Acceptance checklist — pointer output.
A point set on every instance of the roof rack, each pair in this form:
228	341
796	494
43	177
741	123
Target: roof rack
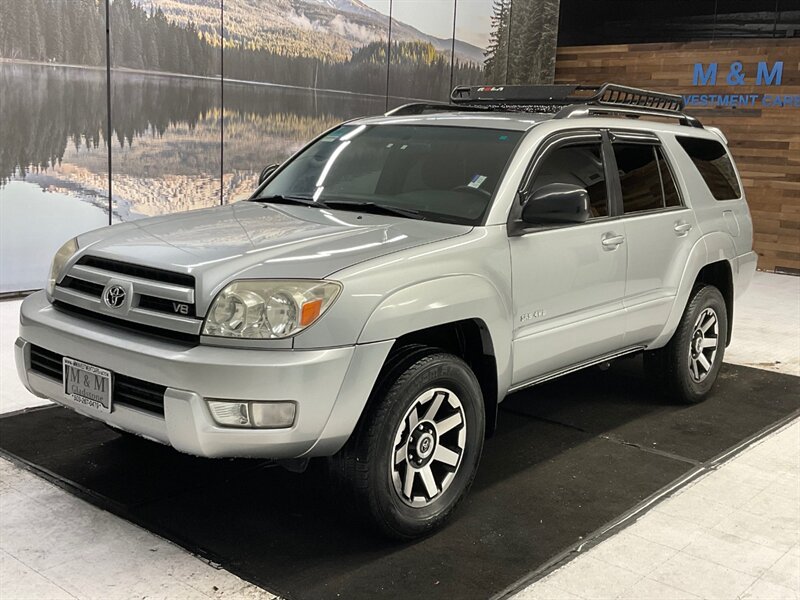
422	108
569	101
565	101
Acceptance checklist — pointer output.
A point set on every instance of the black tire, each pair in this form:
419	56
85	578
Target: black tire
367	463
673	366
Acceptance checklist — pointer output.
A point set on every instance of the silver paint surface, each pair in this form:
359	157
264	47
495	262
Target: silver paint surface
547	301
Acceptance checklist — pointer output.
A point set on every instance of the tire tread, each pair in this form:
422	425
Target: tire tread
352	463
667	366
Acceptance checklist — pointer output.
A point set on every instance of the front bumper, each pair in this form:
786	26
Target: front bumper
330	386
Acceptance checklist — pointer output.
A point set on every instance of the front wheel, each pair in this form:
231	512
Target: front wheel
689	364
416	451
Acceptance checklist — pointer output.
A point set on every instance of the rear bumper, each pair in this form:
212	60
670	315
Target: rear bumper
330	386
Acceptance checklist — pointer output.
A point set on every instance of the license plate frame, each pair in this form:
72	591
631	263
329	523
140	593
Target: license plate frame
88	384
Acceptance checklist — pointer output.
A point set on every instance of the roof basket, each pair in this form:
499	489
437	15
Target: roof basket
621	95
574	100
564	95
564	101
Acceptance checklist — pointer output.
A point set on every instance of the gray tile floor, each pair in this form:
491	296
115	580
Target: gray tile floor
53	545
734	533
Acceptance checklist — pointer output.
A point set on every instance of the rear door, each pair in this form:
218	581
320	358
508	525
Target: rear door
568	280
660	231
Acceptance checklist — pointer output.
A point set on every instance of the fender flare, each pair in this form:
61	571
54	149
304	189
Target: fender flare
446	300
712	247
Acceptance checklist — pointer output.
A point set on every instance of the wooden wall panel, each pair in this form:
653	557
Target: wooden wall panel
764	141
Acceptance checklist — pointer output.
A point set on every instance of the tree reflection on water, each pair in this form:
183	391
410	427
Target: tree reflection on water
167	132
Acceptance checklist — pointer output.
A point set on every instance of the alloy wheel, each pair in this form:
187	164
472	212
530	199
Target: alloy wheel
703	345
428	447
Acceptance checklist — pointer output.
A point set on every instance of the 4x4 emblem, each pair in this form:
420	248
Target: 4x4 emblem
114	296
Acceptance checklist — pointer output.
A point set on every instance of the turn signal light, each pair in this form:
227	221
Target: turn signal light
309	312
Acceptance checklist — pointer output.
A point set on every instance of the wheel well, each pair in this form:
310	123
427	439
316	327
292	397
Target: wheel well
719	275
470	340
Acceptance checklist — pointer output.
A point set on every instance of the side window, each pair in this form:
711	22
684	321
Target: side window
715	166
639	177
671	196
579	164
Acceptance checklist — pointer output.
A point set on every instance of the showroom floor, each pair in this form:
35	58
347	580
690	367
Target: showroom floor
735	532
732	534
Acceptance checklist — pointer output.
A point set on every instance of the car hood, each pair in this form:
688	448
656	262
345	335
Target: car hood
254	240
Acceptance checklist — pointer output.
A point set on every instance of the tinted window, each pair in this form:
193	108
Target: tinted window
714	165
579	164
639	177
445	173
671	196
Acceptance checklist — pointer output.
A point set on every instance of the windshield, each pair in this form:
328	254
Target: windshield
442	173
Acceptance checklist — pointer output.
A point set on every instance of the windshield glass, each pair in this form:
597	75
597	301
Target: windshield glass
443	173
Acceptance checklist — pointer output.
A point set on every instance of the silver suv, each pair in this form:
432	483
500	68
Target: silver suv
387	286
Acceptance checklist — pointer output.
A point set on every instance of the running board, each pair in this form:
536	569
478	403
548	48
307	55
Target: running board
573	368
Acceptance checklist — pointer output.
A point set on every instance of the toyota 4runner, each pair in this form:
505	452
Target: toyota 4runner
387	286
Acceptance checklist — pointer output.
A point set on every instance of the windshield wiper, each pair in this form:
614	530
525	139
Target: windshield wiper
278	199
372	207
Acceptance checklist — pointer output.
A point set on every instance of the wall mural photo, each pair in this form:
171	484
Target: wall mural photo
166	110
291	71
204	94
53	132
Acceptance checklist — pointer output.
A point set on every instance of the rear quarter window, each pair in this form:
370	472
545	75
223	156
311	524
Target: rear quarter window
714	165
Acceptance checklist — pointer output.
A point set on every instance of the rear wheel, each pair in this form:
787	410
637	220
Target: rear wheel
689	364
416	451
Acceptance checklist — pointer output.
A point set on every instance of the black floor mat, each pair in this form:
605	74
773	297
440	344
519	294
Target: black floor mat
568	457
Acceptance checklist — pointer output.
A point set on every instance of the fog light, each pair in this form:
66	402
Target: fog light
230	414
272	414
264	415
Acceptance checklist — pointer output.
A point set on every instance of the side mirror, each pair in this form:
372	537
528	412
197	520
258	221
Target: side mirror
266	172
557	203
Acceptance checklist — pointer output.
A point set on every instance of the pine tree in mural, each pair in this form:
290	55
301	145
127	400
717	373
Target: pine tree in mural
46	31
533	40
497	52
522	46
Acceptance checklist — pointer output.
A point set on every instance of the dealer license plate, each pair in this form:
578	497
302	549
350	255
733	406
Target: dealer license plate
87	384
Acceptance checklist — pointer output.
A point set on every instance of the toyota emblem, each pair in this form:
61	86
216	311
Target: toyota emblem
114	296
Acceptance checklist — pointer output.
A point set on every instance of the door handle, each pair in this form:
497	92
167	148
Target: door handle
612	241
682	228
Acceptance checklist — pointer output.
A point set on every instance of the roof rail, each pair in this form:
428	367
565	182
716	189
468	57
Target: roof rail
569	101
421	108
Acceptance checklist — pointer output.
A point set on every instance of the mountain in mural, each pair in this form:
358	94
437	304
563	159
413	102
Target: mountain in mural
320	28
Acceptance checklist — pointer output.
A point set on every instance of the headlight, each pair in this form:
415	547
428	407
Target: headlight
268	309
61	258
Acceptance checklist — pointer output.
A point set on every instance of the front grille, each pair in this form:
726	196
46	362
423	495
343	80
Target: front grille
127	391
163	305
47	363
139	394
156	302
85	287
137	270
165	334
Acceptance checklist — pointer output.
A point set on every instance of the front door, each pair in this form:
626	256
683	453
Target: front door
568	280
